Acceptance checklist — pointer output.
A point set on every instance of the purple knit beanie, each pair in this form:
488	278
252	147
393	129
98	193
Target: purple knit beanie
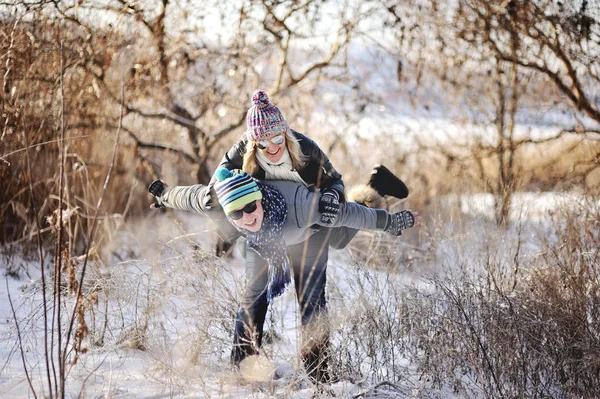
264	119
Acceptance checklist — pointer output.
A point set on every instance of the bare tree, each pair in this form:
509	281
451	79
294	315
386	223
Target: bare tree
535	39
190	72
196	80
501	64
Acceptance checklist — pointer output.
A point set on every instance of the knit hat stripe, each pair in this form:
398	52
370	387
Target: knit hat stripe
235	189
233	183
235	194
240	202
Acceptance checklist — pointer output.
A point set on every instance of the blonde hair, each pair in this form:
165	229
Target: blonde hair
297	157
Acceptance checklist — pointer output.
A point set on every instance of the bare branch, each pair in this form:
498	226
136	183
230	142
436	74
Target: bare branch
189	123
337	46
215	136
574	91
19	337
139	143
78	296
41	255
58	256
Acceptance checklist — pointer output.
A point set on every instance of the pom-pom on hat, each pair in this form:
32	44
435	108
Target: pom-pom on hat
235	189
264	119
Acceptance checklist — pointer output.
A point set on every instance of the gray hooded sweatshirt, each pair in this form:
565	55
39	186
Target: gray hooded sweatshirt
302	209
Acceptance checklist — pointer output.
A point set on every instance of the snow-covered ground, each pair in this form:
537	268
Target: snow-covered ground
525	206
163	324
169	323
182	353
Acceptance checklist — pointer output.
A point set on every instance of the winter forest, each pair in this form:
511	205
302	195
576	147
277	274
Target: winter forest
488	111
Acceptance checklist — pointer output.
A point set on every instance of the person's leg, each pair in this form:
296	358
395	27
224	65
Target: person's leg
309	264
250	318
365	195
341	236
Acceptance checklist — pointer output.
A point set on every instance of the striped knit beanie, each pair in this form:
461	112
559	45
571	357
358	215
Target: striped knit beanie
235	189
264	119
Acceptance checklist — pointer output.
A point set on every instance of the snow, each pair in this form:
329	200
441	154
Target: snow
184	351
524	205
169	307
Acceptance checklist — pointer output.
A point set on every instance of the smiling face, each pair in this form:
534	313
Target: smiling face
273	152
251	221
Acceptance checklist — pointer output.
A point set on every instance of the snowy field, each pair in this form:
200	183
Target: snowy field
162	326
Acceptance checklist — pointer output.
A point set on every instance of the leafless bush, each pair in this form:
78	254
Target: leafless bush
369	328
526	328
499	317
191	301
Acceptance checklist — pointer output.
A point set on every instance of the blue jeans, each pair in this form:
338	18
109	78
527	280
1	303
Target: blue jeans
309	267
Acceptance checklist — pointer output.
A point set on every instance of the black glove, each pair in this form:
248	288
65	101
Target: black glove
399	221
157	189
329	206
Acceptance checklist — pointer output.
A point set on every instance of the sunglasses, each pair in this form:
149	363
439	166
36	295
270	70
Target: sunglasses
237	215
277	140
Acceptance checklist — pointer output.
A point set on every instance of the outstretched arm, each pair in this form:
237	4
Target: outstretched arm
358	216
303	210
186	198
192	198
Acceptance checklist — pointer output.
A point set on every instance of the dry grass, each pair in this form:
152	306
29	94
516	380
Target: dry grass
496	316
512	313
501	316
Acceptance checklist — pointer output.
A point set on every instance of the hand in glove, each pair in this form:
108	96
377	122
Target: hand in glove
399	221
157	189
329	206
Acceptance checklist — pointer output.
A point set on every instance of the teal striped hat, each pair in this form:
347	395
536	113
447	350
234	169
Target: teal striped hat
235	189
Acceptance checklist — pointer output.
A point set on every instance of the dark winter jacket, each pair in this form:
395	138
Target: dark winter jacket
317	171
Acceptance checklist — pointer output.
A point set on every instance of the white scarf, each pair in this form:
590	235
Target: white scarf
281	170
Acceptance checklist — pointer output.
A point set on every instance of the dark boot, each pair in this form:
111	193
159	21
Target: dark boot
315	364
315	350
245	343
248	333
386	183
315	357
